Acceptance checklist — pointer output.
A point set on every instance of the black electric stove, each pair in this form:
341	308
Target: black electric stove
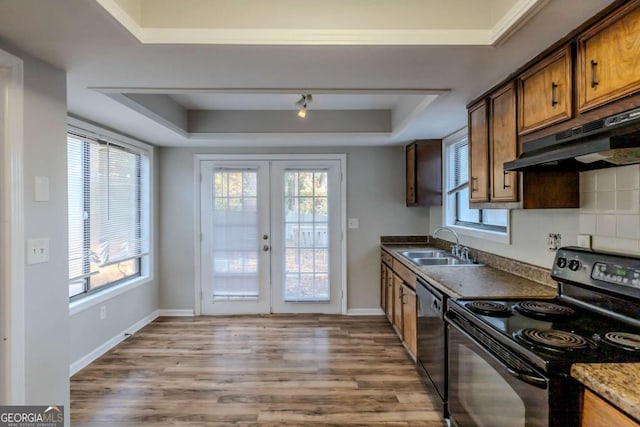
518	347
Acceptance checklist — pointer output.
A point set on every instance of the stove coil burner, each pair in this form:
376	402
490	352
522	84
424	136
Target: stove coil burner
552	339
489	308
544	310
623	340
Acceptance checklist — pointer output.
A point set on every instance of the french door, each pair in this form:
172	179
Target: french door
270	236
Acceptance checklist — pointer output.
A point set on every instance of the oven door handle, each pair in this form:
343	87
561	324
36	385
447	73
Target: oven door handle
528	378
536	381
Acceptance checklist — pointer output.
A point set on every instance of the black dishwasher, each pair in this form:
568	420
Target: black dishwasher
432	340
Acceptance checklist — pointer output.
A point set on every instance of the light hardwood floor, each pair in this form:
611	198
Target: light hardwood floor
304	370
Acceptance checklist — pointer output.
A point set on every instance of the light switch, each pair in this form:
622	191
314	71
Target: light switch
41	189
353	223
37	251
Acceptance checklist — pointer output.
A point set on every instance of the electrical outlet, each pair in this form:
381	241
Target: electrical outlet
554	241
37	250
584	241
103	312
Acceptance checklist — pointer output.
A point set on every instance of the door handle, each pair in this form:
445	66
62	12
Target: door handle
554	94
504	180
265	248
594	81
265	237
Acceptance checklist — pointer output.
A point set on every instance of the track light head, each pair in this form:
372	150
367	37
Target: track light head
304	100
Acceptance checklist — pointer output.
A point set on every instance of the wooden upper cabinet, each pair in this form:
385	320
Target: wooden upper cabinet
609	58
410	172
424	173
503	144
544	92
479	153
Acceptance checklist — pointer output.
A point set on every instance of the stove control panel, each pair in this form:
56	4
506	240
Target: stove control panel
614	273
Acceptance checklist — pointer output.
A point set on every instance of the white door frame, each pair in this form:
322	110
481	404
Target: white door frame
12	324
198	158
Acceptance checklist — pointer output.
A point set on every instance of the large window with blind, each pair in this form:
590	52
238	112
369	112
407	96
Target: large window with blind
458	212
108	212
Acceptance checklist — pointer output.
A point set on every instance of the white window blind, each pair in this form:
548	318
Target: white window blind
458	193
458	167
105	213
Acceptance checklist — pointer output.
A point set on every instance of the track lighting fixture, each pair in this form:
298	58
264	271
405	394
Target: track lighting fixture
303	103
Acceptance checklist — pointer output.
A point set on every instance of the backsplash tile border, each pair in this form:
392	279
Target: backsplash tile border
610	208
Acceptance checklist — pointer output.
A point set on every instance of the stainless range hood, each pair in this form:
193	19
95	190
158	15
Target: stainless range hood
608	142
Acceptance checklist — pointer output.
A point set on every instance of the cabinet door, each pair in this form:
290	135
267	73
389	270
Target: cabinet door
409	320
390	292
503	143
609	58
478	153
598	413
398	291
545	92
383	287
410	169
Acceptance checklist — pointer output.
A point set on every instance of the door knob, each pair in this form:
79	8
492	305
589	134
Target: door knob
265	248
265	237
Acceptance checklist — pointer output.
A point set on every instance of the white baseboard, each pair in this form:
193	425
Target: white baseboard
175	313
87	359
365	312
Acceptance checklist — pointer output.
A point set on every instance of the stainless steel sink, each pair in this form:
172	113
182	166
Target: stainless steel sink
444	260
431	253
435	257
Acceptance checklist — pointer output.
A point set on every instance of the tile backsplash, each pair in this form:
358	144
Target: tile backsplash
610	208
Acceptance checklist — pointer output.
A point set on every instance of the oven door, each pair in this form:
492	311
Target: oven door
486	391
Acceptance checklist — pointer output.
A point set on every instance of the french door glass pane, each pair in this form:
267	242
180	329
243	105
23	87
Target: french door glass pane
306	228
235	234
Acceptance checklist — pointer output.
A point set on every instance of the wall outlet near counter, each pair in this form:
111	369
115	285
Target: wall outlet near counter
584	241
554	241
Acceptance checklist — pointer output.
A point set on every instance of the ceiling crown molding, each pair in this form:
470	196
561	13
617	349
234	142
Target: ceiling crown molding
515	17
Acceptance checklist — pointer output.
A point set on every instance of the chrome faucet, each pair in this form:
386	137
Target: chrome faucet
455	249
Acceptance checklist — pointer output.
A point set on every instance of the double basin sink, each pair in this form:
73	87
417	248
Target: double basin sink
435	257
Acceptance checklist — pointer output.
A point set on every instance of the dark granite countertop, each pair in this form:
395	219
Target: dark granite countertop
619	383
473	280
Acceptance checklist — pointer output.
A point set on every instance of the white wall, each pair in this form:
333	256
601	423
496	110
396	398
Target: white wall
614	223
90	335
46	312
375	195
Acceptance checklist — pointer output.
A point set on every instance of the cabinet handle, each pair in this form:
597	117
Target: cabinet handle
594	81
554	94
504	180
473	187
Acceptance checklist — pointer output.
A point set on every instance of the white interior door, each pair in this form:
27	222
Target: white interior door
271	236
235	259
306	237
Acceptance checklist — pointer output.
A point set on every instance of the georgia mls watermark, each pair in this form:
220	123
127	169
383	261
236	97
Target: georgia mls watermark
32	416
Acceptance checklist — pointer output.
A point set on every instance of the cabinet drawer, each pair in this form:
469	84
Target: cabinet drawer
403	272
387	259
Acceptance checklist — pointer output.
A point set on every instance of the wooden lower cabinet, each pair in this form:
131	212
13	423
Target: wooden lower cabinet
389	298
398	292
597	412
409	320
399	301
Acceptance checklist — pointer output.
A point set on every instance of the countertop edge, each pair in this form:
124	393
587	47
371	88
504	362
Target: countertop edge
616	383
544	291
